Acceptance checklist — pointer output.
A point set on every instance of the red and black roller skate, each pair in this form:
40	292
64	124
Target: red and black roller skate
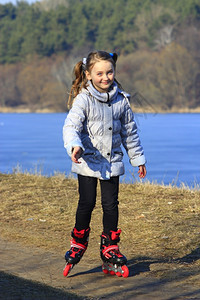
79	245
113	261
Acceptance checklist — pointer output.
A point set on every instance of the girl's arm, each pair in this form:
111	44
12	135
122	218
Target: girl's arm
131	140
73	127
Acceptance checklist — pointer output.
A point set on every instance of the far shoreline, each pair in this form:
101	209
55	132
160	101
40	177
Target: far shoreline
174	110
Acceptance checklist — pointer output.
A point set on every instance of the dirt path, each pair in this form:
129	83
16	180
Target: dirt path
32	273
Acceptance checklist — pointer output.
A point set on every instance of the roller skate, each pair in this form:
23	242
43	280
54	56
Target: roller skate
79	245
114	262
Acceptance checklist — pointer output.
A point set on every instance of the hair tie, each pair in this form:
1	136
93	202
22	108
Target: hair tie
113	56
84	61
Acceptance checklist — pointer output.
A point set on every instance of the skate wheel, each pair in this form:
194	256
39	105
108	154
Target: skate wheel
67	269
105	271
118	274
112	273
125	271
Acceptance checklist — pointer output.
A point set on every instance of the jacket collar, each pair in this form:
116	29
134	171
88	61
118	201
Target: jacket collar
103	97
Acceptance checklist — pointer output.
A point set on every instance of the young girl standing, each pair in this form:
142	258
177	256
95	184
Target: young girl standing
99	121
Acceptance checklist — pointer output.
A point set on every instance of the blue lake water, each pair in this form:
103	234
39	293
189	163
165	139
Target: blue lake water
171	143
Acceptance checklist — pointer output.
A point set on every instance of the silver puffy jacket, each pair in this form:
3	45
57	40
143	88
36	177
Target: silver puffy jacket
99	123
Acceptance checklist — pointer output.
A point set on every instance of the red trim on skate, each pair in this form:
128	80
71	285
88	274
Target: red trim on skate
115	234
109	248
80	234
77	245
73	254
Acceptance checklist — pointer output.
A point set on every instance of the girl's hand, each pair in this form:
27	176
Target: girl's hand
142	171
76	154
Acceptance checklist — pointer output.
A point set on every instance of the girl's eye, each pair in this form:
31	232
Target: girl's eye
99	74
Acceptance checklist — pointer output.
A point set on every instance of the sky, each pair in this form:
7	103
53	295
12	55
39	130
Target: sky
14	1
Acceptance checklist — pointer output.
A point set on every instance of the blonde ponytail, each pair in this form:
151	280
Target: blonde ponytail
78	83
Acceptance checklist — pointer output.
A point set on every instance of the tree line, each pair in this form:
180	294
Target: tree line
120	25
168	79
157	41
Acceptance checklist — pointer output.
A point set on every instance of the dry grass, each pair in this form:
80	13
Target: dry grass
159	224
162	221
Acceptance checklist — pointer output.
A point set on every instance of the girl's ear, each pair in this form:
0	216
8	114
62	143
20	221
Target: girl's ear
88	76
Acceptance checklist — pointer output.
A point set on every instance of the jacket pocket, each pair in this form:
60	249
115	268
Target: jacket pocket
117	156
119	153
87	154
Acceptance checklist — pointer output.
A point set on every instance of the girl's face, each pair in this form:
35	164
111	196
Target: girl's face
102	75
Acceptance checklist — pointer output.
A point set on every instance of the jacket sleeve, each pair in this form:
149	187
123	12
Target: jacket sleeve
130	137
73	125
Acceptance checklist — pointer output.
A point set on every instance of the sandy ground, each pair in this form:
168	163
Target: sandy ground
32	273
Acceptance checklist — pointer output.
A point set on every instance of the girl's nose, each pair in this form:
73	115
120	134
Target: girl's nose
105	77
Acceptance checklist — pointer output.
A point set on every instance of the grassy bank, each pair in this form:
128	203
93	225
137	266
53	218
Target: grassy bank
159	224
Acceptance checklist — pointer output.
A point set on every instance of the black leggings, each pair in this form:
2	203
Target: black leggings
87	201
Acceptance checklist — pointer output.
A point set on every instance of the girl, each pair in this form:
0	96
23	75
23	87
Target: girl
100	120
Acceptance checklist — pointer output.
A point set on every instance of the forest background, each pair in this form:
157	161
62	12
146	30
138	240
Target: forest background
157	41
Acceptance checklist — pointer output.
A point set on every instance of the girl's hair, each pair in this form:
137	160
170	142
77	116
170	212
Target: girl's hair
87	64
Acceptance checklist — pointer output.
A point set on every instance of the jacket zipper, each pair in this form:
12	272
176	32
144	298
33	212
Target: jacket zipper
108	97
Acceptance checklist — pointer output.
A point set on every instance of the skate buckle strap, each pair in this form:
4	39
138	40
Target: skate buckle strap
77	245
80	234
109	248
115	234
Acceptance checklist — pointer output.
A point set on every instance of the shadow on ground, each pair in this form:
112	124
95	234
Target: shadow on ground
150	278
191	257
13	287
142	264
162	279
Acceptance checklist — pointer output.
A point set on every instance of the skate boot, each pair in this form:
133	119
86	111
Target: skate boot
79	245
113	261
